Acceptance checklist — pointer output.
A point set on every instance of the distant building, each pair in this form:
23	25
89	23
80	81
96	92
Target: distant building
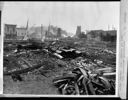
59	33
47	33
101	35
94	35
21	32
52	34
78	31
10	32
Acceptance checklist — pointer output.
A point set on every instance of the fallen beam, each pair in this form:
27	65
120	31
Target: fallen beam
107	75
24	70
110	75
106	70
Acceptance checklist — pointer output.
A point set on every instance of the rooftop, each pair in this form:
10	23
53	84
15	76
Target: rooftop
10	25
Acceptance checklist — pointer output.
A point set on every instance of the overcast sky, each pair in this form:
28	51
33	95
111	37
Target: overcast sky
67	15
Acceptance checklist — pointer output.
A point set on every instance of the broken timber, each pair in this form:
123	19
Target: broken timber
24	70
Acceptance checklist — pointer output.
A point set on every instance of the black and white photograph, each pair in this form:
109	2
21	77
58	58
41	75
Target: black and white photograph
60	48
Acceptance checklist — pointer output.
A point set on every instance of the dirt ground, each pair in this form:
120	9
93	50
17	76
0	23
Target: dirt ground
32	84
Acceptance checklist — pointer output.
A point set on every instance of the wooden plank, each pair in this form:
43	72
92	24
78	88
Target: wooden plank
24	70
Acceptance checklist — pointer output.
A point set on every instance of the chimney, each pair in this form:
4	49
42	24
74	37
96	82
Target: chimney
78	30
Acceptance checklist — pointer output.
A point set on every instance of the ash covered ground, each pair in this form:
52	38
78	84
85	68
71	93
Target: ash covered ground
39	63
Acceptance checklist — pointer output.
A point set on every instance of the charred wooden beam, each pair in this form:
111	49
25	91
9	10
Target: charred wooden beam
24	70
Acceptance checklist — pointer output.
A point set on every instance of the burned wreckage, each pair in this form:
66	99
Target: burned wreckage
87	75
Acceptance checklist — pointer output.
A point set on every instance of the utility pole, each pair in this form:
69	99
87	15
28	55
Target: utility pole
41	33
26	35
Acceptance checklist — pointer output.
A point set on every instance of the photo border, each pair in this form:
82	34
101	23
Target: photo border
31	95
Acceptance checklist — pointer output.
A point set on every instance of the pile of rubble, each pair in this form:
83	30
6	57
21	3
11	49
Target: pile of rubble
81	81
92	70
